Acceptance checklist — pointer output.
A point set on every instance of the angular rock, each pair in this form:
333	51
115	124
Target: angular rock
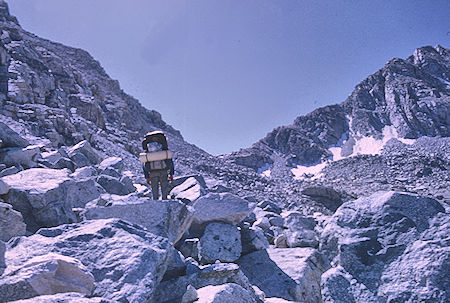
84	172
300	230
190	190
329	197
225	293
85	148
289	273
170	218
375	238
114	186
10	138
175	266
4	188
11	223
179	180
253	239
40	194
111	162
46	275
81	192
215	274
224	207
336	286
219	242
126	261
25	157
190	296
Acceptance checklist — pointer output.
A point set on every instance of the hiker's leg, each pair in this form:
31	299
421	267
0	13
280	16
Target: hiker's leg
164	185
154	181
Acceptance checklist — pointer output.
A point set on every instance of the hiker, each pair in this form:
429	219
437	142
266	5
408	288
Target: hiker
158	164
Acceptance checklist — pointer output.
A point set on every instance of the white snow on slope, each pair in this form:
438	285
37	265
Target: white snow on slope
265	170
364	145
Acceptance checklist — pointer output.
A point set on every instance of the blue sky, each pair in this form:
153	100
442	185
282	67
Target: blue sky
225	73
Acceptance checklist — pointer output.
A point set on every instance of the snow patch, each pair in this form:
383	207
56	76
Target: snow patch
313	171
265	170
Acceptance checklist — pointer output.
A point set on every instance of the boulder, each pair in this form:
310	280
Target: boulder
127	262
10	138
169	218
375	240
270	206
225	293
4	188
224	207
221	242
26	156
179	180
45	275
300	230
253	239
114	186
190	296
83	191
11	223
85	148
175	266
288	273
40	194
111	162
215	274
337	287
190	190
64	298
84	173
329	197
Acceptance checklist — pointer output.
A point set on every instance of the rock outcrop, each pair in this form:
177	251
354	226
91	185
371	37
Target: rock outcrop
126	261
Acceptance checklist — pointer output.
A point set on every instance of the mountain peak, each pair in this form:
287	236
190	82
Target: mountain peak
4	13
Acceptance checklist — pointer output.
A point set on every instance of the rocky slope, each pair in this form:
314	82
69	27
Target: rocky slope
77	223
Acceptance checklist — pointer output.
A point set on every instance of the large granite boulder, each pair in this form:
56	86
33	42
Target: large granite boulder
10	138
224	293
170	218
376	239
127	262
40	194
45	275
11	223
224	207
82	191
288	273
220	242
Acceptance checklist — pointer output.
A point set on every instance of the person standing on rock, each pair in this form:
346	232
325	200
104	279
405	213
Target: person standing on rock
158	164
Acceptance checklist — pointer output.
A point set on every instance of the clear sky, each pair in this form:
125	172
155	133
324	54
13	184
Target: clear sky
225	73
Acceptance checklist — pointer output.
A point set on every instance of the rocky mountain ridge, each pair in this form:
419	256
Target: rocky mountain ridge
77	223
